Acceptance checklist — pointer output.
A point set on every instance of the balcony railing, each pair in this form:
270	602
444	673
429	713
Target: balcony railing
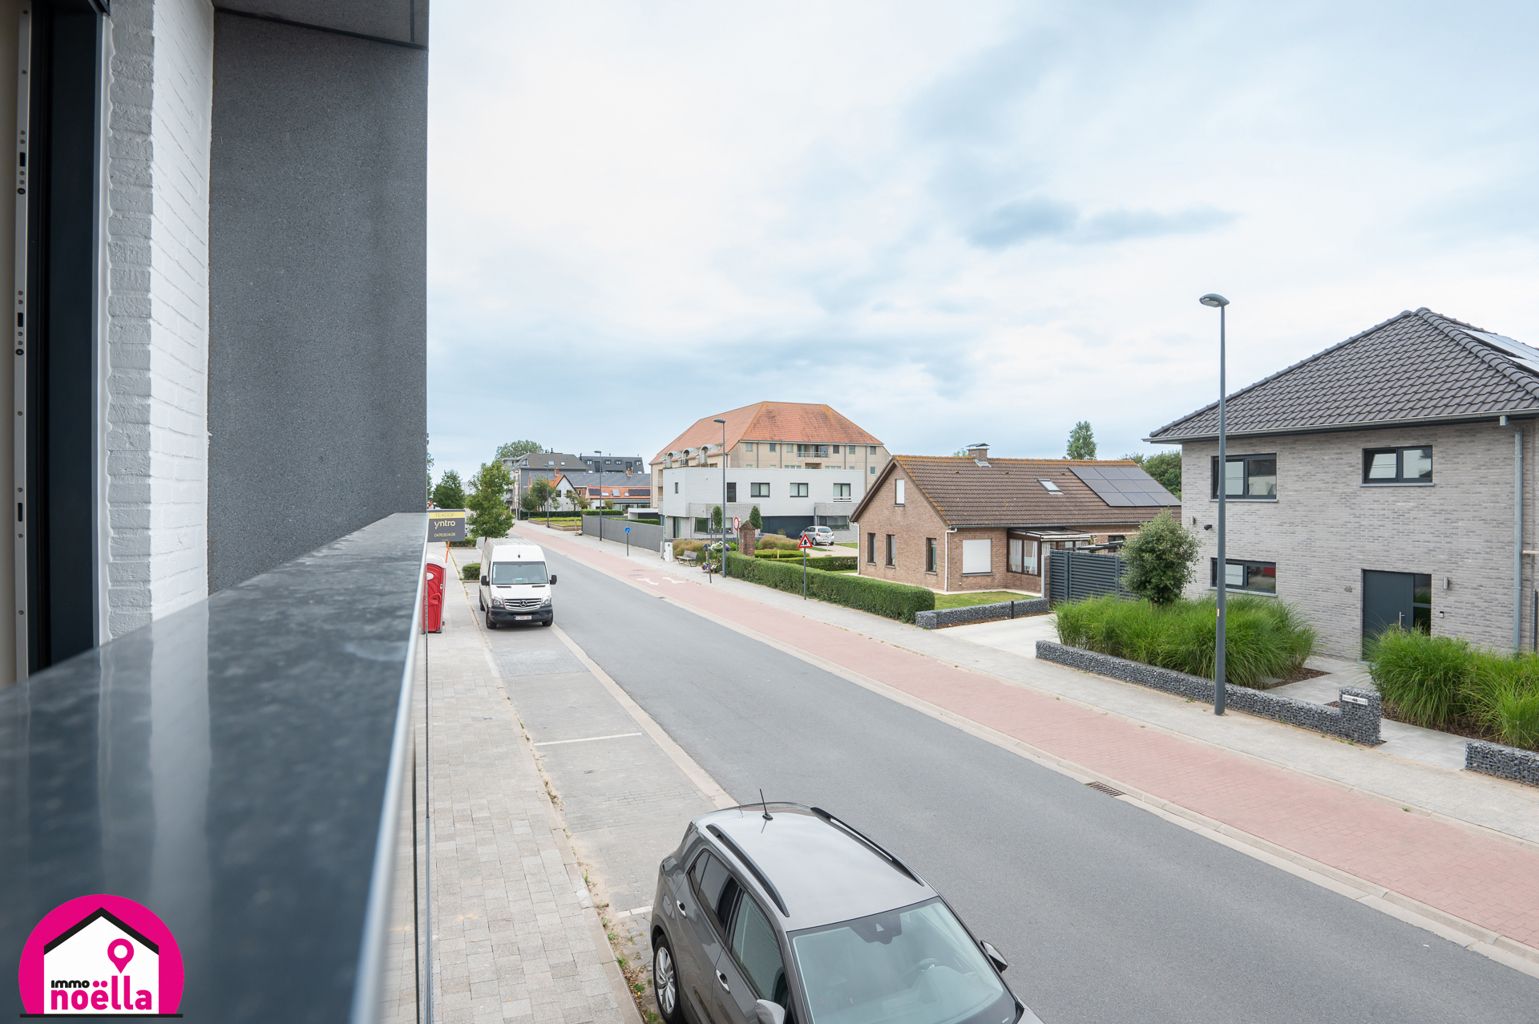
253	770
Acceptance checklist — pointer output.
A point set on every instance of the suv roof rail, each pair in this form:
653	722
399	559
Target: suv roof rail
753	869
872	843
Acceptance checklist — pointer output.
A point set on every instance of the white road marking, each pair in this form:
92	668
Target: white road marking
635	912
589	739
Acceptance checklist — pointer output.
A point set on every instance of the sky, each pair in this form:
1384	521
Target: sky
952	222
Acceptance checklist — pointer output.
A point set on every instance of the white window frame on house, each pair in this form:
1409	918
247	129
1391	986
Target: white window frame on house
976	552
841	492
897	491
760	490
1245	566
800	490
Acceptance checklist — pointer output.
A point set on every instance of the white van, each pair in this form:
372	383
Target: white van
515	586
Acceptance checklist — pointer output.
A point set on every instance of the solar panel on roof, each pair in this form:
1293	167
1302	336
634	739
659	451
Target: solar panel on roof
1124	486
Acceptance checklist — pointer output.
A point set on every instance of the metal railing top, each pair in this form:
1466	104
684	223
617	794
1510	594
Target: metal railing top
229	766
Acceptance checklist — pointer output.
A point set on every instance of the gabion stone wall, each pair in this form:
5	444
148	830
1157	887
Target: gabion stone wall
1503	762
982	613
1357	719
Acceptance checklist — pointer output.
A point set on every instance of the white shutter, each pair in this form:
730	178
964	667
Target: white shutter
977	556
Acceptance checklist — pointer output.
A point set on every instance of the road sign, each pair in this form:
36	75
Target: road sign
446	524
627	529
737	523
805	542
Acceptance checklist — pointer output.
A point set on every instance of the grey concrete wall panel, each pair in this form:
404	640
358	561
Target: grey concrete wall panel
403	21
643	535
1357	719
943	617
1503	762
233	766
317	294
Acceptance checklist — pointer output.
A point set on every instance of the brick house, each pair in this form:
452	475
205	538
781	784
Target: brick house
973	522
1382	481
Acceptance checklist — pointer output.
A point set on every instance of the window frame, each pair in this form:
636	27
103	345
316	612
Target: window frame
1245	461
755	492
931	555
892	551
1399	479
1247	563
804	492
710	910
899	492
849	491
870	548
978	540
744	899
1026	566
731	491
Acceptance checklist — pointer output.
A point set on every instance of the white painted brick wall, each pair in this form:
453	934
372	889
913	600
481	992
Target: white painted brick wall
1326	527
160	95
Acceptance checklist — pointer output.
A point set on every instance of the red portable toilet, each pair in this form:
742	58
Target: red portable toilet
433	598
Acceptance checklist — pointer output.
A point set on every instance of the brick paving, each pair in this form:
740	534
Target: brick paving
516	938
1483	878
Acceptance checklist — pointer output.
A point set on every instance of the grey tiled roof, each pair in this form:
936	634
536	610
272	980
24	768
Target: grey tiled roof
1415	367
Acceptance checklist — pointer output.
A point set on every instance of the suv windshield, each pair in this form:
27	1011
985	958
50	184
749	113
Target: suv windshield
507	574
911	966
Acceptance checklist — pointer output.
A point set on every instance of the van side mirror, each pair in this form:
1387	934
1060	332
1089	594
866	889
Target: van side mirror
766	1012
486	581
553	579
1000	963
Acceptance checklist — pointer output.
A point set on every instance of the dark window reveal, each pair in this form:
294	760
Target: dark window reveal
1253	577
1408	465
929	554
1247	476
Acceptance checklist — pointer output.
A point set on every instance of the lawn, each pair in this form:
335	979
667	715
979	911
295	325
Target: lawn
849	544
971	598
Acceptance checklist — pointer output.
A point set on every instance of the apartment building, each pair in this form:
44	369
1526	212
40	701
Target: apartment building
801	463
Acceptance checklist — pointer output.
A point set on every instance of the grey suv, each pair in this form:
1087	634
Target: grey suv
777	912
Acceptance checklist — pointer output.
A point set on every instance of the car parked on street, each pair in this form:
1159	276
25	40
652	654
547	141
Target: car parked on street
779	912
822	536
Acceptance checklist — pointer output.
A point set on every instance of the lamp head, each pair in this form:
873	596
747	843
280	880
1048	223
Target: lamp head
1214	299
720	420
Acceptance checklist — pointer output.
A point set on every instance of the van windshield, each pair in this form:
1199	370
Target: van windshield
509	574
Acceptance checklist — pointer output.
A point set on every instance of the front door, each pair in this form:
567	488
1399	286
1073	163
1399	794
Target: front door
1395	600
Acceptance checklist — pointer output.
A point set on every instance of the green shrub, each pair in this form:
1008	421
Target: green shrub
776	542
1265	639
1159	559
470	571
681	547
776	553
1425	679
833	563
893	600
1503	697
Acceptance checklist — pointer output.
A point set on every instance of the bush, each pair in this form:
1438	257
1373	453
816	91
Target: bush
1159	559
833	563
470	571
893	600
776	553
1265	638
1425	679
775	542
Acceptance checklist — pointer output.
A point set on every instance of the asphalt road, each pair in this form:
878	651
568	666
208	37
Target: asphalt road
1106	912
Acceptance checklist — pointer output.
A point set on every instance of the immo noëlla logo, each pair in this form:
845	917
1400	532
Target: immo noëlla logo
100	955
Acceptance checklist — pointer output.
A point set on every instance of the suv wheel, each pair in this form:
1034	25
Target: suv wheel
665	981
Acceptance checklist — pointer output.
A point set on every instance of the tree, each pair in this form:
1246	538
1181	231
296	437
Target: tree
538	495
1159	559
1081	441
715	518
1165	467
488	502
578	496
450	492
430	476
756	519
513	449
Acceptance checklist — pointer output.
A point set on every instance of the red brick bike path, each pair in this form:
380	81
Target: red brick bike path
1484	879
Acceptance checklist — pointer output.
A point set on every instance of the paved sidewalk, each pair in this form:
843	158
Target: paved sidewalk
516	938
1472	875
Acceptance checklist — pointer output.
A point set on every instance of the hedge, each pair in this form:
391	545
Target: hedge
470	571
893	600
833	563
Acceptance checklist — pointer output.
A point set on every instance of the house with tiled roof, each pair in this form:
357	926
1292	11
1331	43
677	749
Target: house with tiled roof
1385	481
624	489
976	522
801	463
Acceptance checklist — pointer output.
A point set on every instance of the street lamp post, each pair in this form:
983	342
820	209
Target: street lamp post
600	511
723	494
1221	568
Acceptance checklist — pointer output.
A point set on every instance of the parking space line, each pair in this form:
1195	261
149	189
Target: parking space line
589	739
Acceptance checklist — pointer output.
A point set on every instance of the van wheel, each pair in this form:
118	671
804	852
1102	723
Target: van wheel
549	622
489	623
480	597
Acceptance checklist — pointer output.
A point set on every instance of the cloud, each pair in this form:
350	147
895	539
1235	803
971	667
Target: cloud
1026	220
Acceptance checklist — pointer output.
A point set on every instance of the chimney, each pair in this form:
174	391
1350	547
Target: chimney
979	450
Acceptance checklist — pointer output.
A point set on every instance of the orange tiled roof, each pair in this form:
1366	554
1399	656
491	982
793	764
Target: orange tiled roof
796	422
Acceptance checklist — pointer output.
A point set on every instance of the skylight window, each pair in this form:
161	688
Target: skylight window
1049	487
